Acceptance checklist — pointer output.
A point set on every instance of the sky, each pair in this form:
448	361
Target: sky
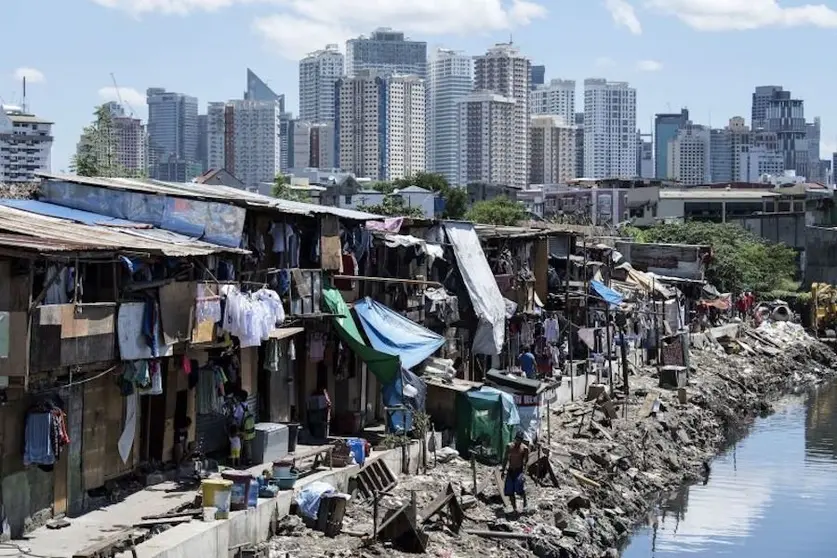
706	55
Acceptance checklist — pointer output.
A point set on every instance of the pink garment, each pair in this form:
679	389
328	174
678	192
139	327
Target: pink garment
393	225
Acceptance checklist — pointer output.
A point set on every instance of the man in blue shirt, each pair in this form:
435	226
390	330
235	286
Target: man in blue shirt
527	362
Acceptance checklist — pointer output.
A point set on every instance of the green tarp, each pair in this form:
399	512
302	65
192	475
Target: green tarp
385	367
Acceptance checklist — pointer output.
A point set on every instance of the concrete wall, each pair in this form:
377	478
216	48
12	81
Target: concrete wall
785	228
820	256
674	260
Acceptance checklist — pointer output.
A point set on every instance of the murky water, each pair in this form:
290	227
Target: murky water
773	495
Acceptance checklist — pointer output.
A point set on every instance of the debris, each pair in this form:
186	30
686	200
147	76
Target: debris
399	527
500	534
375	476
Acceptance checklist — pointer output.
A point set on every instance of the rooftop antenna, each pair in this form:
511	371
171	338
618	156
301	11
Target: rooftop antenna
511	39
23	104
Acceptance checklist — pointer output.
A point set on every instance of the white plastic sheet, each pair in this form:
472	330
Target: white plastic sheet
489	304
126	440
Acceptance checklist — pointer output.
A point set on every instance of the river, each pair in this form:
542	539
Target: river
772	495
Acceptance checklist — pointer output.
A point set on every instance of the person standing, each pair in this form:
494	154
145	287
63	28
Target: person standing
235	446
514	470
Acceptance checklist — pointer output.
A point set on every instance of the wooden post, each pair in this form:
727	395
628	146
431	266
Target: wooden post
569	321
375	515
624	350
474	474
609	353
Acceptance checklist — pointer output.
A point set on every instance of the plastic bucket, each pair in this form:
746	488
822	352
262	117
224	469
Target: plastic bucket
240	491
282	468
216	494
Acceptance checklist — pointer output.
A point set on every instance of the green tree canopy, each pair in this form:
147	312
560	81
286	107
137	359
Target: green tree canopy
393	206
98	148
282	189
741	260
456	199
497	211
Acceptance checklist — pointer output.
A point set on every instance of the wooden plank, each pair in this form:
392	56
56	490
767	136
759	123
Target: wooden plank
59	491
501	488
106	546
84	320
16	364
95	427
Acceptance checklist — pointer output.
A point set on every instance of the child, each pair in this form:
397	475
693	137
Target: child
235	446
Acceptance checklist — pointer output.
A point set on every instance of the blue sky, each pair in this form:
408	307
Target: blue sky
704	54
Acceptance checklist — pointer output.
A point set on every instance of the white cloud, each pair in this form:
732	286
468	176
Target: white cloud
728	15
300	26
31	74
649	66
623	14
130	97
306	25
604	62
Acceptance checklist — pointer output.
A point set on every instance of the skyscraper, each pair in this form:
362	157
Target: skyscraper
609	129
579	145
537	75
318	73
726	148
172	135
557	97
312	145
450	80
487	152
552	150
505	71
387	52
379	130
258	90
688	155
25	145
644	155
665	129
243	137
761	98
785	116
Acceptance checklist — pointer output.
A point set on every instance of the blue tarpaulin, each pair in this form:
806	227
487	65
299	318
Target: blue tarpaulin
70	214
609	295
390	332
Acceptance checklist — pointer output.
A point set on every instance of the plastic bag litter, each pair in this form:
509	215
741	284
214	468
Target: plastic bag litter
308	499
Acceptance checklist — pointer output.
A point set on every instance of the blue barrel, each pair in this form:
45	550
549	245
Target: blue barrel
253	496
358	449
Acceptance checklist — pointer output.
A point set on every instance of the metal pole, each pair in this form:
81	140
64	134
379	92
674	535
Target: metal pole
569	321
609	354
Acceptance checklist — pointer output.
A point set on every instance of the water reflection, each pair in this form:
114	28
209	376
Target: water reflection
772	495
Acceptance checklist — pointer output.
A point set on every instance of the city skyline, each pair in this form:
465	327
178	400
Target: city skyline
681	75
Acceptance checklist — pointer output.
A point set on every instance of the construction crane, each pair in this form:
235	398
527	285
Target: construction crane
119	95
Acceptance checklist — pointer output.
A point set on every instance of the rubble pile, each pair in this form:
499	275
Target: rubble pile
610	471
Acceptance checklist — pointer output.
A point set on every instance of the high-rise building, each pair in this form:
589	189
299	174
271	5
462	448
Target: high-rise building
129	140
450	79
552	150
312	145
557	97
172	134
761	98
756	161
285	140
537	76
203	147
688	155
726	147
813	135
487	153
609	129
665	129
579	145
258	90
318	73
244	139
505	71
379	129
386	51
785	116
25	145
644	155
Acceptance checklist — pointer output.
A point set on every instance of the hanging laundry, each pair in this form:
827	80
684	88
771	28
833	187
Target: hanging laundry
38	443
316	346
271	355
156	378
526	335
551	330
349	268
282	235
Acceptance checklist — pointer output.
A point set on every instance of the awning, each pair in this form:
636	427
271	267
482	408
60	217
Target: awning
392	333
285	332
609	295
385	367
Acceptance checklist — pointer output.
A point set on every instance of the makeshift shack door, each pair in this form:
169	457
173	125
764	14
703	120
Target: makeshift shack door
103	422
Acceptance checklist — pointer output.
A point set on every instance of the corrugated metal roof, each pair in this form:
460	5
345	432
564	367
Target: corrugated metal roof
75	236
227	194
22	242
70	214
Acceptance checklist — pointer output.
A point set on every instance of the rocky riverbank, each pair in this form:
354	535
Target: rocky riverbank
610	472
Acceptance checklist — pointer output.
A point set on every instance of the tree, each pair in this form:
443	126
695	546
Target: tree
740	260
282	189
456	199
393	206
98	148
497	211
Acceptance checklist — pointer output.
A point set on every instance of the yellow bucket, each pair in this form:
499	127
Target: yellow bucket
216	494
